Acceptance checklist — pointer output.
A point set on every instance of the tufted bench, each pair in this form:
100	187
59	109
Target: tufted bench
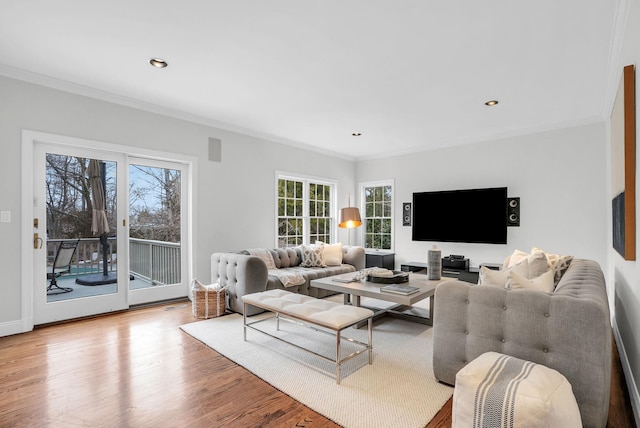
329	315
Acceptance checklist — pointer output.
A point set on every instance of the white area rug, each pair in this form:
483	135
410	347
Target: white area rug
398	390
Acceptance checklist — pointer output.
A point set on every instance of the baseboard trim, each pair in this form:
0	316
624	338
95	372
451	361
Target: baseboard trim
628	375
12	327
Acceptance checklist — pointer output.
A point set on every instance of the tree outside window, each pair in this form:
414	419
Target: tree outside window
304	211
378	218
320	212
290	213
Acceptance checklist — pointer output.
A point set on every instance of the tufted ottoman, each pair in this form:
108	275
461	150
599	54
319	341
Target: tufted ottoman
497	390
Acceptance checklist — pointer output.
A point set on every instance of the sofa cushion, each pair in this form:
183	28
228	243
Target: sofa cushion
310	274
294	257
280	257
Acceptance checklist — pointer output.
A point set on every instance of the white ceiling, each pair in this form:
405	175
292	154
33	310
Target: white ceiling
408	74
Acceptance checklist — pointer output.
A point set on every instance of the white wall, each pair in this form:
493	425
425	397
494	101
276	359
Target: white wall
235	199
626	274
560	177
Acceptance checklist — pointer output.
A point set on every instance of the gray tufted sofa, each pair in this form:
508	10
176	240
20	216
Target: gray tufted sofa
568	330
247	274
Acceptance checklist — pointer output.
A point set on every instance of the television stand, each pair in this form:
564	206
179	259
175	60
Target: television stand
471	275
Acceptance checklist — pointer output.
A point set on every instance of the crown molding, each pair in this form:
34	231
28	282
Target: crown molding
77	89
489	137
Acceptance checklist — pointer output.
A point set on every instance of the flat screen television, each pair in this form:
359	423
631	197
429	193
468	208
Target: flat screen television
473	215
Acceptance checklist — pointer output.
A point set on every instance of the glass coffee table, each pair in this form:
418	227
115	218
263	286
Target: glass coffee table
403	307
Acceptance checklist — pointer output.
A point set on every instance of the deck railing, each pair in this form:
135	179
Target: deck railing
156	261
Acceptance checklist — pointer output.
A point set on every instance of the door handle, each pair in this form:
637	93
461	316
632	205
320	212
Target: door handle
37	241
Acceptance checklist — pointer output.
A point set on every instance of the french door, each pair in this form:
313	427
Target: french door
110	231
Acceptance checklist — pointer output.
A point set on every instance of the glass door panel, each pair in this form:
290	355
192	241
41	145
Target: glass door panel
76	204
81	209
156	230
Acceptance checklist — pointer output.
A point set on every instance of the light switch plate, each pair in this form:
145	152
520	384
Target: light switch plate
5	216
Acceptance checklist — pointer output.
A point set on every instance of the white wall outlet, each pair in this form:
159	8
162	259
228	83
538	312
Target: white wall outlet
5	216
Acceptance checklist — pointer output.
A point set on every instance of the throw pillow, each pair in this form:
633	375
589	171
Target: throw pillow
537	262
312	256
331	253
500	278
543	282
514	259
558	263
265	255
491	277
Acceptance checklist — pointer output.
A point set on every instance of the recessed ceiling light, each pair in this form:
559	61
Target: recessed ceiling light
356	134
158	63
491	103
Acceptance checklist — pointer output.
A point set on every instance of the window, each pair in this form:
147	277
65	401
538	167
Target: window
378	215
320	212
305	211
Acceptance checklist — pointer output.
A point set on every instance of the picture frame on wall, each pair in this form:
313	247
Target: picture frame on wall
623	166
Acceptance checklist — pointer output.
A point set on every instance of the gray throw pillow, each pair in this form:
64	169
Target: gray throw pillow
312	256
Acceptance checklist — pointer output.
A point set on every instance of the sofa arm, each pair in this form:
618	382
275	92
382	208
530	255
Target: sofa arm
353	255
569	334
242	274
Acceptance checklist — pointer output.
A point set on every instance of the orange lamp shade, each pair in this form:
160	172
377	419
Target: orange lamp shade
349	218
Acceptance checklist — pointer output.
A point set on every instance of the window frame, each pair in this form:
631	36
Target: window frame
306	217
365	218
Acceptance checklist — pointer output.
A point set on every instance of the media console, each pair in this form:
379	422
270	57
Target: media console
383	259
468	275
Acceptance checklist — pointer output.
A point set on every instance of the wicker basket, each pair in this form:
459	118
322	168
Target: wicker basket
208	303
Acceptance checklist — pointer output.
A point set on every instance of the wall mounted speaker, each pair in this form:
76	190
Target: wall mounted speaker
406	213
215	149
513	211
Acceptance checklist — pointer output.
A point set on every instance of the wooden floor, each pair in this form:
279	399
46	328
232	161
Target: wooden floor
138	369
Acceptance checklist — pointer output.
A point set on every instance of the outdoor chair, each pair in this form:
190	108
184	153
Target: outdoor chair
61	264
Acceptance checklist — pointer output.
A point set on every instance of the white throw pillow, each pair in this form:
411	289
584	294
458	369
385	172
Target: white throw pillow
312	256
331	253
537	262
516	257
543	282
500	278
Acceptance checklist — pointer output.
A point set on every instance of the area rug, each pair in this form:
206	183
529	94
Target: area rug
397	390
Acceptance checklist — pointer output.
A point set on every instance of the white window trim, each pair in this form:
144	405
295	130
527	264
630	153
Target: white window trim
378	183
305	204
29	140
